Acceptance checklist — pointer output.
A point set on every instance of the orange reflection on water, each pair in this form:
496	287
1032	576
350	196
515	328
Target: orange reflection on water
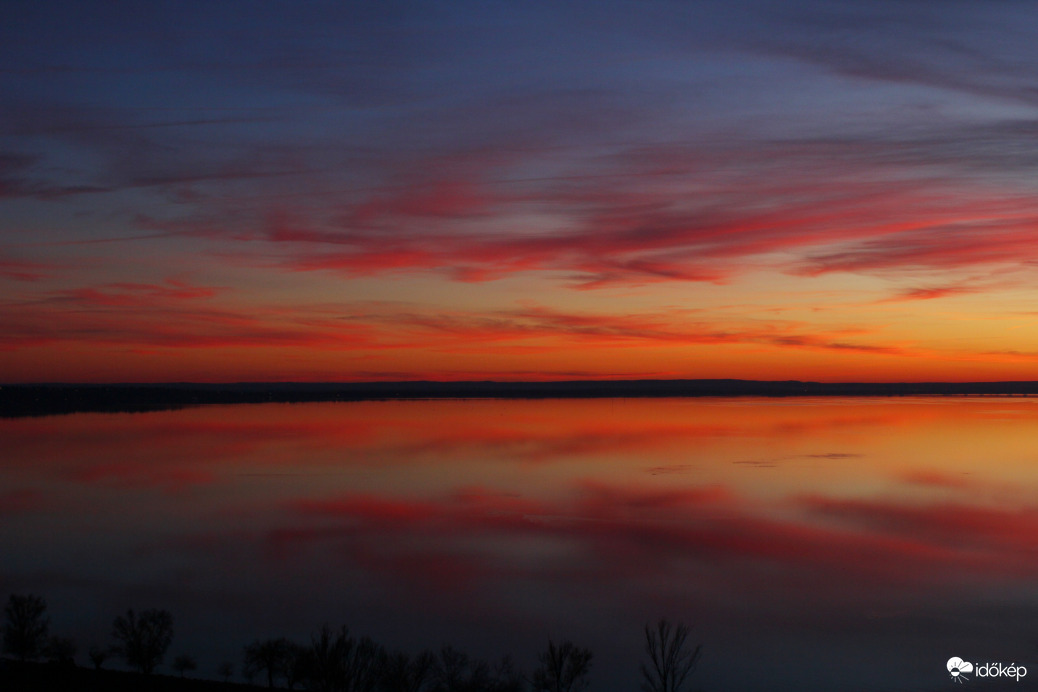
506	519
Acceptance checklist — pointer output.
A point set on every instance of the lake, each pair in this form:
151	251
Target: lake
812	544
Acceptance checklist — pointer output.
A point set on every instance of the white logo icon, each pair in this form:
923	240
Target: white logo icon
958	668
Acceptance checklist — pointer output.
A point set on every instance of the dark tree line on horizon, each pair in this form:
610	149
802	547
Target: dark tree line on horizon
18	400
334	660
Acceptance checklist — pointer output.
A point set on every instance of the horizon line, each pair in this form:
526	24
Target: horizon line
505	382
28	400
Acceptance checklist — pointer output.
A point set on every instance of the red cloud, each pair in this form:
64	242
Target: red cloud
171	315
138	295
931	293
180	315
985	241
459	330
652	221
598	232
22	270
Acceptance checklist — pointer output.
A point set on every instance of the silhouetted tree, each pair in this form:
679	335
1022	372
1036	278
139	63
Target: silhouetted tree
506	678
143	639
479	678
341	663
225	670
184	663
297	665
365	666
61	650
451	671
25	626
98	656
454	671
563	668
270	656
401	673
671	658
328	651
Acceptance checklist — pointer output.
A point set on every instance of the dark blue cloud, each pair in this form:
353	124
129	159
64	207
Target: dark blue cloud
231	114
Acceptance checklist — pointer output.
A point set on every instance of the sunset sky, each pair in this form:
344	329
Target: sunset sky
221	191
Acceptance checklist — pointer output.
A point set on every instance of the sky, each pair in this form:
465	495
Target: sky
266	191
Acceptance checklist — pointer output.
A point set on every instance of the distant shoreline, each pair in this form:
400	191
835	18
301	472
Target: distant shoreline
21	400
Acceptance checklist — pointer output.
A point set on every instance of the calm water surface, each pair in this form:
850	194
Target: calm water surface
813	544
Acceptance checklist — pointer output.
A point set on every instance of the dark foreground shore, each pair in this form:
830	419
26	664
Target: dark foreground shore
54	677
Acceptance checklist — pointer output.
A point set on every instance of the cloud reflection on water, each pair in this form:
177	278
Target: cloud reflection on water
496	523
